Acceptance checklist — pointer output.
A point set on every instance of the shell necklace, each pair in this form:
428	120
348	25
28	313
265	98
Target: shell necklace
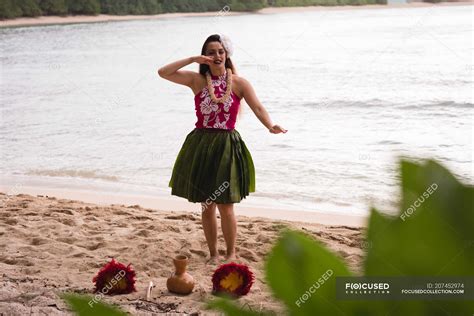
228	87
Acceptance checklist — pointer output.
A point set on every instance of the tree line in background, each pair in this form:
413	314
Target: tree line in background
30	8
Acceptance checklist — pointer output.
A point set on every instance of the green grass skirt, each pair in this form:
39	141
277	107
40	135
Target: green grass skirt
213	165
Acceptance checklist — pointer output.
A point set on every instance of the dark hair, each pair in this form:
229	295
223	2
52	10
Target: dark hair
203	68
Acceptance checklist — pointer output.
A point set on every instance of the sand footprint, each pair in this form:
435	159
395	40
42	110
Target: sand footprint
274	227
198	252
182	217
16	261
141	218
67	221
30	214
144	233
93	246
11	221
63	211
263	239
79	255
174	229
37	241
67	240
121	212
248	254
246	225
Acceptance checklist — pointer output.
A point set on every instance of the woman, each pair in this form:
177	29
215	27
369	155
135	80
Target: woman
214	166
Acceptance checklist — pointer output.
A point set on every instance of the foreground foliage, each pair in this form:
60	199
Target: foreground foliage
434	237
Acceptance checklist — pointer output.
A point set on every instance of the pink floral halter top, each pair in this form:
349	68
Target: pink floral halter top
221	115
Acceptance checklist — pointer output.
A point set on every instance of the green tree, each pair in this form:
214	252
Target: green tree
135	7
169	6
9	10
86	7
29	7
247	5
152	6
53	7
114	7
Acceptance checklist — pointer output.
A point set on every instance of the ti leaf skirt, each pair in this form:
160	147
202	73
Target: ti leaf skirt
213	165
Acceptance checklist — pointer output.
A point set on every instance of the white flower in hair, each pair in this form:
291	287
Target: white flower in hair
226	42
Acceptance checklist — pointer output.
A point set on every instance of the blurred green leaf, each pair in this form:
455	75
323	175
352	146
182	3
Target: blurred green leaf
302	273
432	236
80	305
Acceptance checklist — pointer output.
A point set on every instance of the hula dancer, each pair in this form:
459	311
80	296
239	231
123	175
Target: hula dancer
214	166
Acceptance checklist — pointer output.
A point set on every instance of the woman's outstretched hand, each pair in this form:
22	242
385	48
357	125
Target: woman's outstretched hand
277	129
201	59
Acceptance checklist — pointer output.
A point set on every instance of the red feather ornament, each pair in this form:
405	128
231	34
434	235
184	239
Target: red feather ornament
232	279
115	278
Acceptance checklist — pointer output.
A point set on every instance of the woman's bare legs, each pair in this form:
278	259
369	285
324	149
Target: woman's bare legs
209	225
229	228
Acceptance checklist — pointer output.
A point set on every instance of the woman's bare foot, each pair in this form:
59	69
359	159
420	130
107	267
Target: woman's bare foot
231	257
213	260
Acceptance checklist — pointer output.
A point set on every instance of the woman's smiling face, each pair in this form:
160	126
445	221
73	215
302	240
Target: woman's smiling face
217	52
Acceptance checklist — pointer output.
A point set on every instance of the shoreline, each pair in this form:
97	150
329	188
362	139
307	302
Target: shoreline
170	203
74	19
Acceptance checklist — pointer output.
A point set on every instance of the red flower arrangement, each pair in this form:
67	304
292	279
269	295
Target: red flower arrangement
115	278
232	279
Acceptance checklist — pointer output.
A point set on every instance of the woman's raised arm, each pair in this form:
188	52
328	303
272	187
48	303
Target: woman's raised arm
172	73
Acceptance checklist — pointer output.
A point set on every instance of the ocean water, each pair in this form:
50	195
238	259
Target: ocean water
82	104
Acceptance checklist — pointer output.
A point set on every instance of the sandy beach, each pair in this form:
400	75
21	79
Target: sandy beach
51	245
45	20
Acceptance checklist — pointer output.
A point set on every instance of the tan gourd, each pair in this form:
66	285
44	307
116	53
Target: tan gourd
180	282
